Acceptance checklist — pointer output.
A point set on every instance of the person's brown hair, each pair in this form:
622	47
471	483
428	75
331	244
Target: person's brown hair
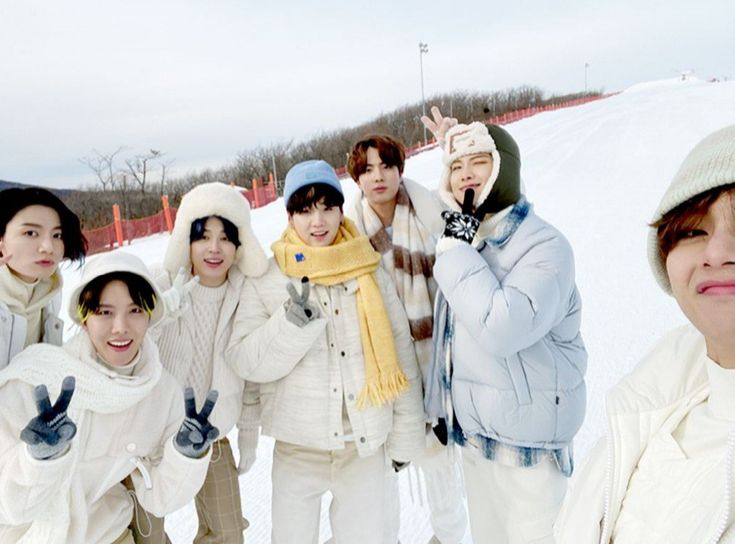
676	222
391	151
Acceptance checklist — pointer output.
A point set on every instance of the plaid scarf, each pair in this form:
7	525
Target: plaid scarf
351	257
409	258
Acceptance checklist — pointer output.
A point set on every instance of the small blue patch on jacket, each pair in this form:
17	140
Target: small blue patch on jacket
300	257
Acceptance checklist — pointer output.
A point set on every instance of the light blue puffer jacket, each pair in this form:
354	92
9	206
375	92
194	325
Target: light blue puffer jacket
517	353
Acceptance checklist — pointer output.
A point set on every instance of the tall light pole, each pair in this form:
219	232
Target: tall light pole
586	66
423	49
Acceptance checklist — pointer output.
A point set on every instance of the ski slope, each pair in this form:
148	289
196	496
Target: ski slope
596	172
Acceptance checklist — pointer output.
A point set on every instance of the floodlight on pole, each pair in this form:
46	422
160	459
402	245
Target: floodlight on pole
586	66
423	49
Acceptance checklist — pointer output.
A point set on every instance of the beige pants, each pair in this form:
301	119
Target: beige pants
442	478
302	475
511	505
125	538
217	503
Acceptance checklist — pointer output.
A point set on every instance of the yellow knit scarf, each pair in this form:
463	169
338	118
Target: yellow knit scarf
351	257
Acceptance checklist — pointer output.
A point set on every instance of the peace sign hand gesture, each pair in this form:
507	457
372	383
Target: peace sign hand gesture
196	432
299	310
439	126
49	434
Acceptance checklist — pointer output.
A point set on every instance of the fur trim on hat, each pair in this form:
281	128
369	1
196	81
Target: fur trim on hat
462	140
709	165
108	263
219	199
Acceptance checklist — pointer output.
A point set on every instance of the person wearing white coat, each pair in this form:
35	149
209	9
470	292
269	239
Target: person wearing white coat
325	335
60	471
664	471
213	241
403	221
37	231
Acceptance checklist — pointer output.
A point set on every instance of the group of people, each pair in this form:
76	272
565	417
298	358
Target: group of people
436	330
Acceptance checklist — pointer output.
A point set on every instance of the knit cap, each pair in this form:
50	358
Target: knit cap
503	188
109	263
709	165
309	173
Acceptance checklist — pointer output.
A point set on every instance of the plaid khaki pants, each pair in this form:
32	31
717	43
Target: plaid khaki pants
217	503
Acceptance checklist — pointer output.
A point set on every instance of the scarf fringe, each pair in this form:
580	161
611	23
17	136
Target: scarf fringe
385	389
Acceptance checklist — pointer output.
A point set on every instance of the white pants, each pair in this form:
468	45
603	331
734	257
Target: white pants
511	505
302	475
444	494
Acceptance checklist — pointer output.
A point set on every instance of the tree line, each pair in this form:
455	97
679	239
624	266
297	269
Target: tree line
136	181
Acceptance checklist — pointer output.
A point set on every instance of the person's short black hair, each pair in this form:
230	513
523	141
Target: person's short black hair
140	291
309	195
196	232
16	199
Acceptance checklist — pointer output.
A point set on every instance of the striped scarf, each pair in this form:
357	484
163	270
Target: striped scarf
409	258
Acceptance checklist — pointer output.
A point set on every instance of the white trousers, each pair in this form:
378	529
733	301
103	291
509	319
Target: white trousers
302	475
511	505
444	494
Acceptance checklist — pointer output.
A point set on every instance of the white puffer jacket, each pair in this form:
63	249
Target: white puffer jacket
307	374
13	329
667	384
125	426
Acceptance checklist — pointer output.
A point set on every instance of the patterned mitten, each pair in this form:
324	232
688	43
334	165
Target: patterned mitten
49	434
196	432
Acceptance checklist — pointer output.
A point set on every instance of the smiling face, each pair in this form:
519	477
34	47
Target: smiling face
212	255
117	326
701	270
318	224
34	243
470	172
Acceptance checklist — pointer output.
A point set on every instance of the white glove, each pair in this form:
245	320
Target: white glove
247	443
175	298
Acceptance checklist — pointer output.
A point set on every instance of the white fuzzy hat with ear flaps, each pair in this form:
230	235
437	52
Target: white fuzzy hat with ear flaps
709	165
109	263
224	201
462	140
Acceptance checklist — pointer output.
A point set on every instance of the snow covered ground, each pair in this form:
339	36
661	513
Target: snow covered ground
597	172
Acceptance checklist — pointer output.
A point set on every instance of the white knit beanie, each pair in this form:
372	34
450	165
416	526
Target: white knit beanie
224	201
709	165
462	140
109	263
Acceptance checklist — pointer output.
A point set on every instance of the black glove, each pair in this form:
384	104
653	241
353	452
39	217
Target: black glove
440	430
49	434
398	466
462	225
196	432
299	310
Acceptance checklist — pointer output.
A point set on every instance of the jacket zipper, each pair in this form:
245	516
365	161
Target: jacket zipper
608	485
725	517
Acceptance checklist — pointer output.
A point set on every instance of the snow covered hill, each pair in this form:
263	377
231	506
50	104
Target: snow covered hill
596	172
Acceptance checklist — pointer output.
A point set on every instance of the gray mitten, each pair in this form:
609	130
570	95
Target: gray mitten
196	432
49	434
299	310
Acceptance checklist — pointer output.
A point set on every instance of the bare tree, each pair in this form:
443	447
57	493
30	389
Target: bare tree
103	166
140	165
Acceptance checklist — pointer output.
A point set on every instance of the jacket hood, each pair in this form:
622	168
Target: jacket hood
503	188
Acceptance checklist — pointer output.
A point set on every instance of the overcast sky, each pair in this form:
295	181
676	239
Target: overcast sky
204	80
